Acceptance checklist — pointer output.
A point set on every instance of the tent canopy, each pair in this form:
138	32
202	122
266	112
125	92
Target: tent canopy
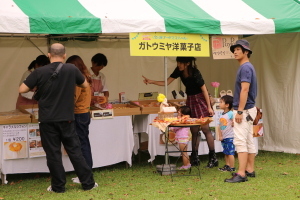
178	16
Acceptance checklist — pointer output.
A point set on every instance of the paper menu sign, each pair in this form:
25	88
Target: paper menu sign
221	46
35	143
15	141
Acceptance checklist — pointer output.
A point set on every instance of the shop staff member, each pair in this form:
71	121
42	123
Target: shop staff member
56	117
244	112
40	61
99	86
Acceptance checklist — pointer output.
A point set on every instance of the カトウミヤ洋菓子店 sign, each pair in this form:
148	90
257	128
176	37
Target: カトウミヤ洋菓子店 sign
169	44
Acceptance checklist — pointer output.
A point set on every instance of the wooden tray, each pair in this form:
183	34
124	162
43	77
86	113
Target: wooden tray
145	108
123	109
23	108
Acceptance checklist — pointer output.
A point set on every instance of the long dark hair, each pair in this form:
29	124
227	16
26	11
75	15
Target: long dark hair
191	66
78	62
32	65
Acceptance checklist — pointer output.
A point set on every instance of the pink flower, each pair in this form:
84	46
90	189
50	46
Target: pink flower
215	84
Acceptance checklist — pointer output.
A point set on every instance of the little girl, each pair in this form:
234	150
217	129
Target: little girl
182	137
226	133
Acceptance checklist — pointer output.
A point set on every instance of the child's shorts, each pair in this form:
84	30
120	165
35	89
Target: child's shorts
182	140
228	146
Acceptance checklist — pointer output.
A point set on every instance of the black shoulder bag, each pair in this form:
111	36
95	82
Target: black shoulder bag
40	91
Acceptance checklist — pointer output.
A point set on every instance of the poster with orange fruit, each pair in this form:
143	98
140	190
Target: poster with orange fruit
15	141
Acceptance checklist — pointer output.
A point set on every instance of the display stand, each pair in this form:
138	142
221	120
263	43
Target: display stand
167	168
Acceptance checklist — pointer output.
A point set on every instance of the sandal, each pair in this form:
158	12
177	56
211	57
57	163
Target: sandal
183	167
229	92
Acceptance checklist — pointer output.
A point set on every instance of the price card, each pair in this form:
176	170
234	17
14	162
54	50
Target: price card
35	143
15	139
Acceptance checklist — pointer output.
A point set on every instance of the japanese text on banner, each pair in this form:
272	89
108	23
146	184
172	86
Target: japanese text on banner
169	44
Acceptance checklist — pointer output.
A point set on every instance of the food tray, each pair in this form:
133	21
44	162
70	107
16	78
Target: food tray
123	109
147	106
14	117
26	108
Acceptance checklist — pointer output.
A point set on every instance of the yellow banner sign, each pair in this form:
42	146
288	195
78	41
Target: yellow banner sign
169	44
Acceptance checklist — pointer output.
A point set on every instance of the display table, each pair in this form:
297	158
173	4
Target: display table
142	124
111	141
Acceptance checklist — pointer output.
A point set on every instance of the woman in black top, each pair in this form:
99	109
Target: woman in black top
197	99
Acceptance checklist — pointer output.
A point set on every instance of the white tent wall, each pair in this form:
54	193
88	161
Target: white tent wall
277	61
15	56
275	57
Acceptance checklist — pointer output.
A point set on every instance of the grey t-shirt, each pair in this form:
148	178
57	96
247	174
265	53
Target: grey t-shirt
246	73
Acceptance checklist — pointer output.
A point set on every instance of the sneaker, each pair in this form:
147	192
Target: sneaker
225	168
236	178
95	186
76	180
49	189
252	174
183	167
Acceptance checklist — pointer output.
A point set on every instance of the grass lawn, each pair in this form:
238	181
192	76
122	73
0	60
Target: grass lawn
278	177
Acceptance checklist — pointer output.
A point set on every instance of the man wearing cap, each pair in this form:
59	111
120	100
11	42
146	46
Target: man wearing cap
244	112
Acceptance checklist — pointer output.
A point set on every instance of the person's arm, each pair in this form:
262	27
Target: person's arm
159	83
85	84
23	88
220	133
243	99
77	93
206	96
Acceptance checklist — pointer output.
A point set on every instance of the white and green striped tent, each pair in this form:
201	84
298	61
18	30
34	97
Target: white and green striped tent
124	16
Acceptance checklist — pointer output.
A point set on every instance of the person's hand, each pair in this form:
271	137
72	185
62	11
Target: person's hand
147	81
211	111
238	118
101	99
220	138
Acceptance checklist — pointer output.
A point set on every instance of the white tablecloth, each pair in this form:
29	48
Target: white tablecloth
142	124
111	142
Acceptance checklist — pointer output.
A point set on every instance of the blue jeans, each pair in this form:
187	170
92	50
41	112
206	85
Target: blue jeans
82	122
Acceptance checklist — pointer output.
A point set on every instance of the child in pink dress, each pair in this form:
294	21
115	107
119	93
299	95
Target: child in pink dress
182	138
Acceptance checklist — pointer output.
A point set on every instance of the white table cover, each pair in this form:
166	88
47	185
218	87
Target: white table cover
111	142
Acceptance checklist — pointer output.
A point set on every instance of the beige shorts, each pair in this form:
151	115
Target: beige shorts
243	132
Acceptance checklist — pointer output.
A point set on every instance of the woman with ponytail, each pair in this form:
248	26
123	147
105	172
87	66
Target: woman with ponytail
199	102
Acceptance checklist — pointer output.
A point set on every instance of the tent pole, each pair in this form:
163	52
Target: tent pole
166	75
166	94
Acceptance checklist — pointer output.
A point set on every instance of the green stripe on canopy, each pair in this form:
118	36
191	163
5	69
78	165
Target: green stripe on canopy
185	17
285	14
59	17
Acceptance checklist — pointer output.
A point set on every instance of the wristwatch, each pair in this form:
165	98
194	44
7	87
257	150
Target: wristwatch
239	112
